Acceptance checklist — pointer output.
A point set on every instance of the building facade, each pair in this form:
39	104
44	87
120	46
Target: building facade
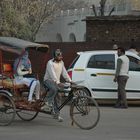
70	25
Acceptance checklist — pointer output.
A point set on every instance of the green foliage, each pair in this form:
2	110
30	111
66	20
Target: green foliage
23	18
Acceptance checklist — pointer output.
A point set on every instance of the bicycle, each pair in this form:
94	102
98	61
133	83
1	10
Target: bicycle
84	110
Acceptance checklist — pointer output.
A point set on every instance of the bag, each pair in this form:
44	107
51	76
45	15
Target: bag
29	75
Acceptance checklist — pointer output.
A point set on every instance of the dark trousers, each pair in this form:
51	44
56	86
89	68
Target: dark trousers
52	95
122	80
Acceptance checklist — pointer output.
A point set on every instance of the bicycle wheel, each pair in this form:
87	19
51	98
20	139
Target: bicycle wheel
27	115
84	112
7	109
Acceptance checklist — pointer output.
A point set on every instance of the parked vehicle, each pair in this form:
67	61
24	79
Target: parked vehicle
96	70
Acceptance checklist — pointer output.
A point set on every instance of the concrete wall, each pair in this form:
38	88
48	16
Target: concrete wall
64	27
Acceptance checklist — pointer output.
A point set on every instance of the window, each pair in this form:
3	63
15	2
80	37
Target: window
103	61
72	38
74	61
134	64
59	38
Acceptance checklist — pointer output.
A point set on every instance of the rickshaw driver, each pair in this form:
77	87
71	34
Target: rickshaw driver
22	66
54	69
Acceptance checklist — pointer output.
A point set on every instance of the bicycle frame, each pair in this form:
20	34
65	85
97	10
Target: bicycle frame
68	99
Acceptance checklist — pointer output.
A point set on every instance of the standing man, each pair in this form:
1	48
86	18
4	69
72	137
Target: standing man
54	70
133	50
121	77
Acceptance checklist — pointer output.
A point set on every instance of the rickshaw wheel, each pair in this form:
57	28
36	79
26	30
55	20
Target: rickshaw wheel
7	109
27	115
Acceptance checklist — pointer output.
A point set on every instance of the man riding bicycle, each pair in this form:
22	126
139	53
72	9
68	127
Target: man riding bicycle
54	70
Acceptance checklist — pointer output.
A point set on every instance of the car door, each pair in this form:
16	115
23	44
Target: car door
100	74
133	84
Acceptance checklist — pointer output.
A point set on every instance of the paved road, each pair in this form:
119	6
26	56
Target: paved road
115	124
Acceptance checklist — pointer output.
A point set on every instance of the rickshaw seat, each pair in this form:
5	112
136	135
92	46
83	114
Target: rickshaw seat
9	83
7	68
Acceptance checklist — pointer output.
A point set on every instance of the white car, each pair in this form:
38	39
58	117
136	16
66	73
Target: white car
96	70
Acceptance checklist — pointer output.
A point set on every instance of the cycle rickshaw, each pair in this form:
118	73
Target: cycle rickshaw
84	110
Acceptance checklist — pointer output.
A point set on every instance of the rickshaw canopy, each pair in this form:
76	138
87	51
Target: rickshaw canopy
17	45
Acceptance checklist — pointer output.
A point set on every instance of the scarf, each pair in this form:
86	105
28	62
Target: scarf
22	60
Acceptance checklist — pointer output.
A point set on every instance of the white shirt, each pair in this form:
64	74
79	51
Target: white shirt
54	70
124	66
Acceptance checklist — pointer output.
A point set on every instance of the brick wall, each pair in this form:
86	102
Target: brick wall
69	50
118	28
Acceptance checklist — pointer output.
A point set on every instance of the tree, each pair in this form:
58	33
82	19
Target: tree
23	18
102	8
73	4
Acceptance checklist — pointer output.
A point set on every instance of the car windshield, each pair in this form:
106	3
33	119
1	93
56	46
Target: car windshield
74	61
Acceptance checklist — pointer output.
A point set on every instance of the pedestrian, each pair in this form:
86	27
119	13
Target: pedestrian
121	77
133	49
115	47
54	70
23	75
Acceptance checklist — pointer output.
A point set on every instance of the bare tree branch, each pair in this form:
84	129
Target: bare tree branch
94	10
112	10
23	18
